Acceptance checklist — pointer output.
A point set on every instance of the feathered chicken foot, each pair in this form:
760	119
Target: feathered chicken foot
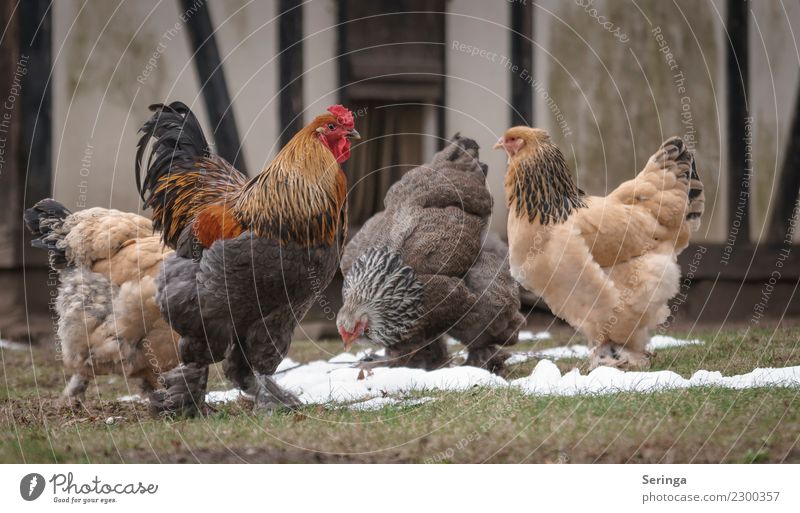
183	393
75	391
615	355
491	358
149	383
269	396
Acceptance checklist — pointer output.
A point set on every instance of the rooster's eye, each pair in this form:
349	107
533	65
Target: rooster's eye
330	126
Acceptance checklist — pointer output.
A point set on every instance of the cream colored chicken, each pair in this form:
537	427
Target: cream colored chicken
108	320
607	265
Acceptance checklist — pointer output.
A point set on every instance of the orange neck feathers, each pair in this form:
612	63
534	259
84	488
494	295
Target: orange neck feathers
300	196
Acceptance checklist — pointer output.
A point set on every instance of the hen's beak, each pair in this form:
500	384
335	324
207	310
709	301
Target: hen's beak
499	145
348	339
353	134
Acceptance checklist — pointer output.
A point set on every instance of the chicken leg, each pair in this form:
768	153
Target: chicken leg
183	393
270	397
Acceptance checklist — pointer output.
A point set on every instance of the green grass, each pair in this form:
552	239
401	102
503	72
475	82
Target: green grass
480	425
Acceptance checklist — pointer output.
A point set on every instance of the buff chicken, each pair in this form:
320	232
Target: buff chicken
108	320
607	265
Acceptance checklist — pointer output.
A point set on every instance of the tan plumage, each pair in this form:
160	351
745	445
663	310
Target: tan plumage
607	265
108	320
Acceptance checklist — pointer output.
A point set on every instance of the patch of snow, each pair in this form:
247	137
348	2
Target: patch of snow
770	377
355	357
559	353
286	363
323	382
135	398
223	396
13	346
526	336
581	351
546	379
450	341
551	353
517	358
344	358
338	380
663	342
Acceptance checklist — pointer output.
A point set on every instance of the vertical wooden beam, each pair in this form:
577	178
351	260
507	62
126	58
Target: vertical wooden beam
441	115
11	176
521	56
25	176
789	185
290	63
36	33
737	71
441	108
341	58
212	82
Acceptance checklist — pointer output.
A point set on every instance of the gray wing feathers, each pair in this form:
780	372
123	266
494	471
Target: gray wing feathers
436	217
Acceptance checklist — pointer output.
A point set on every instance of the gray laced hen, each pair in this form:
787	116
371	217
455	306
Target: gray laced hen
425	268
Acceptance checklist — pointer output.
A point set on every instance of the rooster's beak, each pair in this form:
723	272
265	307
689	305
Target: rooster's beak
353	134
499	145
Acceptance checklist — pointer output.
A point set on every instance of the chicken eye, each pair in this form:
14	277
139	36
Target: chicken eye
331	126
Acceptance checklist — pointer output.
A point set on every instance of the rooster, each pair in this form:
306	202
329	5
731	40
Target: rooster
108	320
424	267
250	255
607	265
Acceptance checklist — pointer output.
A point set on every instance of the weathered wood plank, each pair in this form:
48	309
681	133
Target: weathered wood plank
786	202
36	33
290	66
212	82
522	56
10	195
737	82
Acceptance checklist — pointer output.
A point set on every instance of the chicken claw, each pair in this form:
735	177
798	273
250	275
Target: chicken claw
614	355
491	358
271	397
74	393
183	393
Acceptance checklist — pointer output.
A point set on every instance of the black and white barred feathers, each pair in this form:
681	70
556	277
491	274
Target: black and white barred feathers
382	284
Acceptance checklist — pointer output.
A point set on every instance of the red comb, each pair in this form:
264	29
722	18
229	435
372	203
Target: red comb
343	115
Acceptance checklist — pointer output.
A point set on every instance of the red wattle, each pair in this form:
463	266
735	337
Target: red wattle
342	151
340	148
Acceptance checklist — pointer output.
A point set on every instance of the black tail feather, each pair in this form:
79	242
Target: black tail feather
44	220
697	198
179	138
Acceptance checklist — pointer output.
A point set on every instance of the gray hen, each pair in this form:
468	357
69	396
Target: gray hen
424	268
